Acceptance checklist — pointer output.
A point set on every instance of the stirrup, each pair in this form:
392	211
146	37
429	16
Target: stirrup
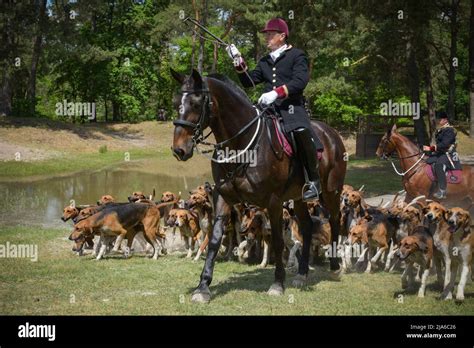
306	188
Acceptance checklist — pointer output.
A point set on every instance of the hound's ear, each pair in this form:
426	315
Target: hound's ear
447	214
190	216
197	79
419	214
467	224
422	245
177	76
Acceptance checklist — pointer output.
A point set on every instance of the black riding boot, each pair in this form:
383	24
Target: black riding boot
441	176
306	150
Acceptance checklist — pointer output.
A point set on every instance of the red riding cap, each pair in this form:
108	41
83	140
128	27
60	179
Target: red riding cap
276	24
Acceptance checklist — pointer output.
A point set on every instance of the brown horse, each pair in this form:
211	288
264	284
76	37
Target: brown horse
415	181
219	104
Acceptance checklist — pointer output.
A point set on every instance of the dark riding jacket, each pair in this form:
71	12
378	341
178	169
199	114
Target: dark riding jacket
445	139
288	75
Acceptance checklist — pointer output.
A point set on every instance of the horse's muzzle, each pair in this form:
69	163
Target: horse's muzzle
180	154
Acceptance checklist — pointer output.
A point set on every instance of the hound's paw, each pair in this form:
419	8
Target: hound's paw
299	281
276	289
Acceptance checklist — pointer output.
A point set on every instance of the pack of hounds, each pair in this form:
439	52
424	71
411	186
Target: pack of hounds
414	238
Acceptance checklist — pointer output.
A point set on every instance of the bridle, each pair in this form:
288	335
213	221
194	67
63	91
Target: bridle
204	121
388	156
204	116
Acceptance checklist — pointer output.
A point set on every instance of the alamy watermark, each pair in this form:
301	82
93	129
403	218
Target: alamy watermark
37	331
9	250
391	108
227	155
75	109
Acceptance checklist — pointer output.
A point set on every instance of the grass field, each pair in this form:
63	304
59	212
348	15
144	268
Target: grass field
64	284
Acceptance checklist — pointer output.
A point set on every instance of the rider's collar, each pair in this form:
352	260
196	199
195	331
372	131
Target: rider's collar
445	126
275	54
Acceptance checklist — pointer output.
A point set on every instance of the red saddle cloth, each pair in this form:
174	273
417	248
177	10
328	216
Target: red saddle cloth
284	142
452	176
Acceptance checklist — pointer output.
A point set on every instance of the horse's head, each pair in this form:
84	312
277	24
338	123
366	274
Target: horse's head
193	105
387	146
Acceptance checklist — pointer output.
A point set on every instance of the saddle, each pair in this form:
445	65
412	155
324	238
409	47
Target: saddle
286	141
453	176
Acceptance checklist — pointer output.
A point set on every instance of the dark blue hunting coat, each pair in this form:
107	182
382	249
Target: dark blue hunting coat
445	137
288	75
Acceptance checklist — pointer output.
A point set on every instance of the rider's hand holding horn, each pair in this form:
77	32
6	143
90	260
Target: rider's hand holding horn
233	52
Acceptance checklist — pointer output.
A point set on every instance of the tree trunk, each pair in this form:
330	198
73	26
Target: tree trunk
201	39
6	61
115	111
471	70
106	111
430	103
196	16
452	68
414	85
214	59
31	90
6	93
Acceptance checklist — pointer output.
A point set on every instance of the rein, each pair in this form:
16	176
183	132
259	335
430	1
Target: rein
239	152
409	169
387	156
203	122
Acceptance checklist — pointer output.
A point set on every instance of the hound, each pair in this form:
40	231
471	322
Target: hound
188	224
461	247
416	248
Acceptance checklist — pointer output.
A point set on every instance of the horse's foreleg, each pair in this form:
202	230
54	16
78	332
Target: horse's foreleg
202	292
275	213
306	227
332	201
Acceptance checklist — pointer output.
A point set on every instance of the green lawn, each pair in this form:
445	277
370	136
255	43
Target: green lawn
65	284
67	164
378	176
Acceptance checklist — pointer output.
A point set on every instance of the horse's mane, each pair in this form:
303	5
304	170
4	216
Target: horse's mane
408	140
231	84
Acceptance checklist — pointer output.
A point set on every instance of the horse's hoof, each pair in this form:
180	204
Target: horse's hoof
262	265
447	296
200	296
276	290
299	281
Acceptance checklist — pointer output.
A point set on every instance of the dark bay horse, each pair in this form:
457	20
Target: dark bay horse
222	106
415	181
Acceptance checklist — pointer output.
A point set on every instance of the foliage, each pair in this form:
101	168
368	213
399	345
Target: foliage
118	53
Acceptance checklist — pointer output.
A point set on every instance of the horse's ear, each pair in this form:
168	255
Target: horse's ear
394	128
197	79
177	76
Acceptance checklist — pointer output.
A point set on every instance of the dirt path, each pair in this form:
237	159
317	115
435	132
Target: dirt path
38	139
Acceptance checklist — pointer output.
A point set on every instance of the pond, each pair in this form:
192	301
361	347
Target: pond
41	202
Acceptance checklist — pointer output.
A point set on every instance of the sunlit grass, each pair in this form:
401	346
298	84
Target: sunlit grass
65	284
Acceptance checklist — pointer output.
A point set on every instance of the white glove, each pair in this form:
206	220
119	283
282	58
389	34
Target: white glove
268	98
233	52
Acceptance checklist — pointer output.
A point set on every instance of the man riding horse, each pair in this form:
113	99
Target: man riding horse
443	153
285	73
